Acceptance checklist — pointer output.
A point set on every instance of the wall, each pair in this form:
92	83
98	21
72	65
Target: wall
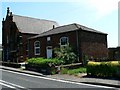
22	52
55	40
16	51
90	44
94	45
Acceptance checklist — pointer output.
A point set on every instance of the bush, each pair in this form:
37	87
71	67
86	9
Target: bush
104	69
65	54
41	63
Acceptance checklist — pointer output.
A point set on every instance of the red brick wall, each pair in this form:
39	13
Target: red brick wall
90	44
10	29
22	51
94	44
55	40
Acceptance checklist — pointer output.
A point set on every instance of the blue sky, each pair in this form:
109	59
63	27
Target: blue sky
101	15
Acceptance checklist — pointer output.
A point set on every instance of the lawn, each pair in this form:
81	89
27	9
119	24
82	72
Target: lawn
73	71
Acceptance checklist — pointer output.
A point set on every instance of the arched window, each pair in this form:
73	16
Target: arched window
63	41
37	47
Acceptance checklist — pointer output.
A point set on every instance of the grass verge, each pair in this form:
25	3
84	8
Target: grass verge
73	71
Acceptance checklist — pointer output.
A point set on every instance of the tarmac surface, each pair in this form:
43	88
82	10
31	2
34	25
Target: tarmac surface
82	78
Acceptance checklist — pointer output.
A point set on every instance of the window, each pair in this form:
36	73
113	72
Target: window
63	41
48	38
37	48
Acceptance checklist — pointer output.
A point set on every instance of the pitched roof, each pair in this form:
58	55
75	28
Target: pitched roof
33	25
66	28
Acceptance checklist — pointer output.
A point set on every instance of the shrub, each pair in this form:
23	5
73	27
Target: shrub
104	69
41	63
65	54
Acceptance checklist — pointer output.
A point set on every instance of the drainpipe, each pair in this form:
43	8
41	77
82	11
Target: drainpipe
77	39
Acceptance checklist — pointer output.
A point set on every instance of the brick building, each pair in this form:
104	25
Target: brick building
26	37
114	53
84	41
15	32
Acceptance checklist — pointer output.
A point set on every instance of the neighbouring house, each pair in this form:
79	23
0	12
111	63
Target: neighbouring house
15	32
84	41
114	53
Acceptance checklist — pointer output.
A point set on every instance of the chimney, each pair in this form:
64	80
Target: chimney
53	26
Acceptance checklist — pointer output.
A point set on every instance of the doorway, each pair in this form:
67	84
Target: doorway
49	51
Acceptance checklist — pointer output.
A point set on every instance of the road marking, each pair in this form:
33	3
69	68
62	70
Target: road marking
1	81
7	85
65	81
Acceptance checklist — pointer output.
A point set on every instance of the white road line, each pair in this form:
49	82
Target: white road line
7	85
1	81
58	80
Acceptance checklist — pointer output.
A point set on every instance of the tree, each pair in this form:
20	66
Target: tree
65	54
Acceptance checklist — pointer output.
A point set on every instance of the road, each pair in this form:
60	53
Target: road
21	81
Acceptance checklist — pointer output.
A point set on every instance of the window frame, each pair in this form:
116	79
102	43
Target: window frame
35	48
48	39
67	41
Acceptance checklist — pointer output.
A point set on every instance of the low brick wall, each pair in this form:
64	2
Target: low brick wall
11	64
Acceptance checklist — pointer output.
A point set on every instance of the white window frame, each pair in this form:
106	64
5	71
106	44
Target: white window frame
36	48
48	38
67	41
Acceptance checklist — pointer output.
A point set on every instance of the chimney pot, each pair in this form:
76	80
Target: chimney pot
53	26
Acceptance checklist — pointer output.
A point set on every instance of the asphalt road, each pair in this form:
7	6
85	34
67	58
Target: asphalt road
20	81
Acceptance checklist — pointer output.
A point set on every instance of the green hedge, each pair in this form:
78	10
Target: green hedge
104	69
41	63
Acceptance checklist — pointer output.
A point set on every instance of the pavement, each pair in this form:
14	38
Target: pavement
82	78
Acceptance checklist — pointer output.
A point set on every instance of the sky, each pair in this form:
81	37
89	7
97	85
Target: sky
101	15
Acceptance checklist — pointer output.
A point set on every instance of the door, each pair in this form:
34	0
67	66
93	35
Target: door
49	51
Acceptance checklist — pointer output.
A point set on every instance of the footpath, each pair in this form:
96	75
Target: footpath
82	78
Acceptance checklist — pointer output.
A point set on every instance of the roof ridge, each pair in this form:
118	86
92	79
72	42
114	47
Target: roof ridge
34	18
76	25
60	27
52	29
